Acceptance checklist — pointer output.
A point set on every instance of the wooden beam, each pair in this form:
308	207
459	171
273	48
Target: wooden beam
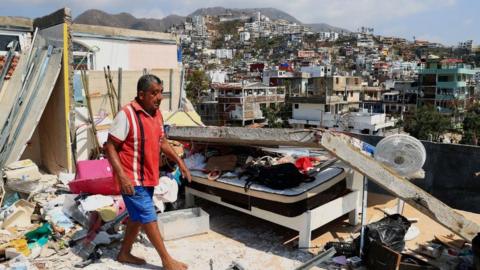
343	147
245	136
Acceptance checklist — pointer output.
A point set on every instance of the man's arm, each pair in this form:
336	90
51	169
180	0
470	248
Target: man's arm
111	149
170	153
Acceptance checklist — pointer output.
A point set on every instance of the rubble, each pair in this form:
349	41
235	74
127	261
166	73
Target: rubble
66	220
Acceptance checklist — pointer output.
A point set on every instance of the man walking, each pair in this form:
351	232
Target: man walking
135	142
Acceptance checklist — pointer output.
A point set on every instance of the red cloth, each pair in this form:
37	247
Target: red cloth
304	164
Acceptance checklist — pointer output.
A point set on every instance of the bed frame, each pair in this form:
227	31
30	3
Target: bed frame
309	220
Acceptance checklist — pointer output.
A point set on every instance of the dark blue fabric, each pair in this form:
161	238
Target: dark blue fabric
140	206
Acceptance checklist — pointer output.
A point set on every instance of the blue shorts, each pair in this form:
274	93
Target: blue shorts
140	206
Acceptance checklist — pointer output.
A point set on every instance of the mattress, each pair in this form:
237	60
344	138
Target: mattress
328	185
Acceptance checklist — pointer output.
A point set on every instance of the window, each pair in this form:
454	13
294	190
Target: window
443	78
336	80
295	105
351	94
6	39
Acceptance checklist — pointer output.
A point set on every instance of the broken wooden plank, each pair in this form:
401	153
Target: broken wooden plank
341	146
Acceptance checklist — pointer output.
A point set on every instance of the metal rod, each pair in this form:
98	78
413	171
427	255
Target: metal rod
170	90
119	100
113	92
96	151
8	62
324	256
31	47
109	93
364	214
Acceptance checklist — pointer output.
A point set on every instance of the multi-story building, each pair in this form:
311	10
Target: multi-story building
244	36
328	101
371	98
295	83
347	88
318	71
328	36
238	104
446	85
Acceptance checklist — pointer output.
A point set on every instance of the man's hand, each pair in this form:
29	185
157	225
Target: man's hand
186	173
126	186
170	153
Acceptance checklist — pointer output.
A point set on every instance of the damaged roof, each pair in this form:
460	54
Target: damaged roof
16	23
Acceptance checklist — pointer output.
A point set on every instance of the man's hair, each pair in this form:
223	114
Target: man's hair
146	81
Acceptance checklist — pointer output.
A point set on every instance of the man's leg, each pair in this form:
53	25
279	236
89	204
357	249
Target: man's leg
131	232
151	229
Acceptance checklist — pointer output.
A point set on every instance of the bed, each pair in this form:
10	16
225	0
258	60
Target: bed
334	193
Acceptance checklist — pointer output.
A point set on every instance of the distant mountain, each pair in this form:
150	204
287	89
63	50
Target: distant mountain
126	20
323	27
272	13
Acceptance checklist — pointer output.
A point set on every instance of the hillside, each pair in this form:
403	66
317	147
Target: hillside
126	20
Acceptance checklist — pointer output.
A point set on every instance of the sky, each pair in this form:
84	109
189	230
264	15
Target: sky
444	21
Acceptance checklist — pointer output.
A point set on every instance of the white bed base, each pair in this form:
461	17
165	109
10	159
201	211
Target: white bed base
308	221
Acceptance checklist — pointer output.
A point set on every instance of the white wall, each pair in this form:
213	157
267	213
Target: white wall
130	55
308	111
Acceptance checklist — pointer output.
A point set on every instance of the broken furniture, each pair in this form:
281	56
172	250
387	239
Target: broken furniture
334	193
343	147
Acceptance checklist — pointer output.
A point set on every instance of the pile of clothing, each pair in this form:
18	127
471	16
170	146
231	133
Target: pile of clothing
274	169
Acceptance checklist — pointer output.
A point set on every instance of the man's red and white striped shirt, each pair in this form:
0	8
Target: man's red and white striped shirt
140	136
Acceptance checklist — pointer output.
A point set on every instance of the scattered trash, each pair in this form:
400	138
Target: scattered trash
66	178
39	237
342	260
18	214
92	203
389	231
412	233
58	218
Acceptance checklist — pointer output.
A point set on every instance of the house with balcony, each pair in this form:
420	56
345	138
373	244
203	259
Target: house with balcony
446	85
345	89
239	104
371	98
333	102
295	83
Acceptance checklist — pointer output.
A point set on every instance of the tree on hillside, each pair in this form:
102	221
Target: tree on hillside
471	126
197	81
277	116
427	124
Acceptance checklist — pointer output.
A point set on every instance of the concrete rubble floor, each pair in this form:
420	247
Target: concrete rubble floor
252	242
